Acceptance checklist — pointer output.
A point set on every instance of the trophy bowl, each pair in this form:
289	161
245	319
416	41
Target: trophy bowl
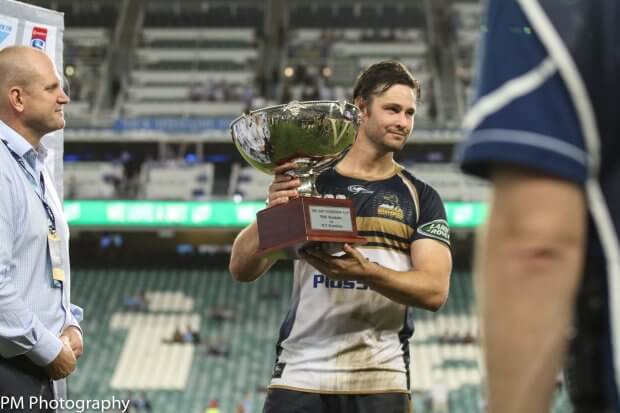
310	134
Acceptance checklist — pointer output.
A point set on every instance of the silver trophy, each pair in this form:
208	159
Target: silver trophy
311	134
308	133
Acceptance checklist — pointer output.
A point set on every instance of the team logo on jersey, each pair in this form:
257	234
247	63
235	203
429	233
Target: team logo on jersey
359	189
390	208
39	37
437	229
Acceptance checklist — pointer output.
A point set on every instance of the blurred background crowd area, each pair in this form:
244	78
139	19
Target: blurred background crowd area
154	86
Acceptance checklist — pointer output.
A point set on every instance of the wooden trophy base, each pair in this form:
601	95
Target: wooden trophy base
286	228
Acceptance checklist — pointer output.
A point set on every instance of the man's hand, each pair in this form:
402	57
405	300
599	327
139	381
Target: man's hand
64	363
75	340
245	265
350	266
283	186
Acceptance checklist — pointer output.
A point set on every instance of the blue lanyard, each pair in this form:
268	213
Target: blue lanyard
48	209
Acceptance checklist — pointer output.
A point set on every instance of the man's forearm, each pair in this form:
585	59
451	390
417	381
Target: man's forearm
415	288
21	330
425	286
244	264
528	270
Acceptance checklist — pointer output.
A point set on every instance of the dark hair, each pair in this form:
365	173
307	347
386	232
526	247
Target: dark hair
379	77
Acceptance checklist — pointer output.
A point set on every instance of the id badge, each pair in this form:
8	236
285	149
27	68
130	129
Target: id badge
54	242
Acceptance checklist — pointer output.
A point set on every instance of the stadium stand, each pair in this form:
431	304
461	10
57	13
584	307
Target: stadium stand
83	14
192	72
467	25
170	62
449	181
225	14
128	350
249	183
445	351
338	55
357	15
91	180
85	51
177	180
197	69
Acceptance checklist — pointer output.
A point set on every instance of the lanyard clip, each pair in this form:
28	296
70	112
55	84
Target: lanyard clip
52	235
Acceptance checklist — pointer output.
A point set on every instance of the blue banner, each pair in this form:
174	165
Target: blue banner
173	124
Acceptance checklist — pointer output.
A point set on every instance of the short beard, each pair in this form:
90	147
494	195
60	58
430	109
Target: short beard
381	146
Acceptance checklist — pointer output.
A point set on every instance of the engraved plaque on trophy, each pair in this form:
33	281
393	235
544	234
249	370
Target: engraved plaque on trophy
310	134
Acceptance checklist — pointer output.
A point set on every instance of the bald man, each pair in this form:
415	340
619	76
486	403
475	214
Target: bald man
40	337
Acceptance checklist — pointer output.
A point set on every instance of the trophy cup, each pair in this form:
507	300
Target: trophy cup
310	134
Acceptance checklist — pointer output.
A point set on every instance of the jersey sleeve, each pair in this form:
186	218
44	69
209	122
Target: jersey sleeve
523	114
432	223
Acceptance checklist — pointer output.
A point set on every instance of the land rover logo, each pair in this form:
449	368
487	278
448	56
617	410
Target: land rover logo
437	229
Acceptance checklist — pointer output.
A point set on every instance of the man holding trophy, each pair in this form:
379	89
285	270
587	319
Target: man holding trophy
344	344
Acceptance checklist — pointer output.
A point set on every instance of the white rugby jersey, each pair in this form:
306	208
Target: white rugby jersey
341	336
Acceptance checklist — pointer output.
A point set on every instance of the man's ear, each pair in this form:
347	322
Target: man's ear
362	104
16	98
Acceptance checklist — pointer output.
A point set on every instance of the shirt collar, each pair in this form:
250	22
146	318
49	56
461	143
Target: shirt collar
19	145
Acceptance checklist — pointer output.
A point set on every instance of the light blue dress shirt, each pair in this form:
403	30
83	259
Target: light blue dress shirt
33	312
